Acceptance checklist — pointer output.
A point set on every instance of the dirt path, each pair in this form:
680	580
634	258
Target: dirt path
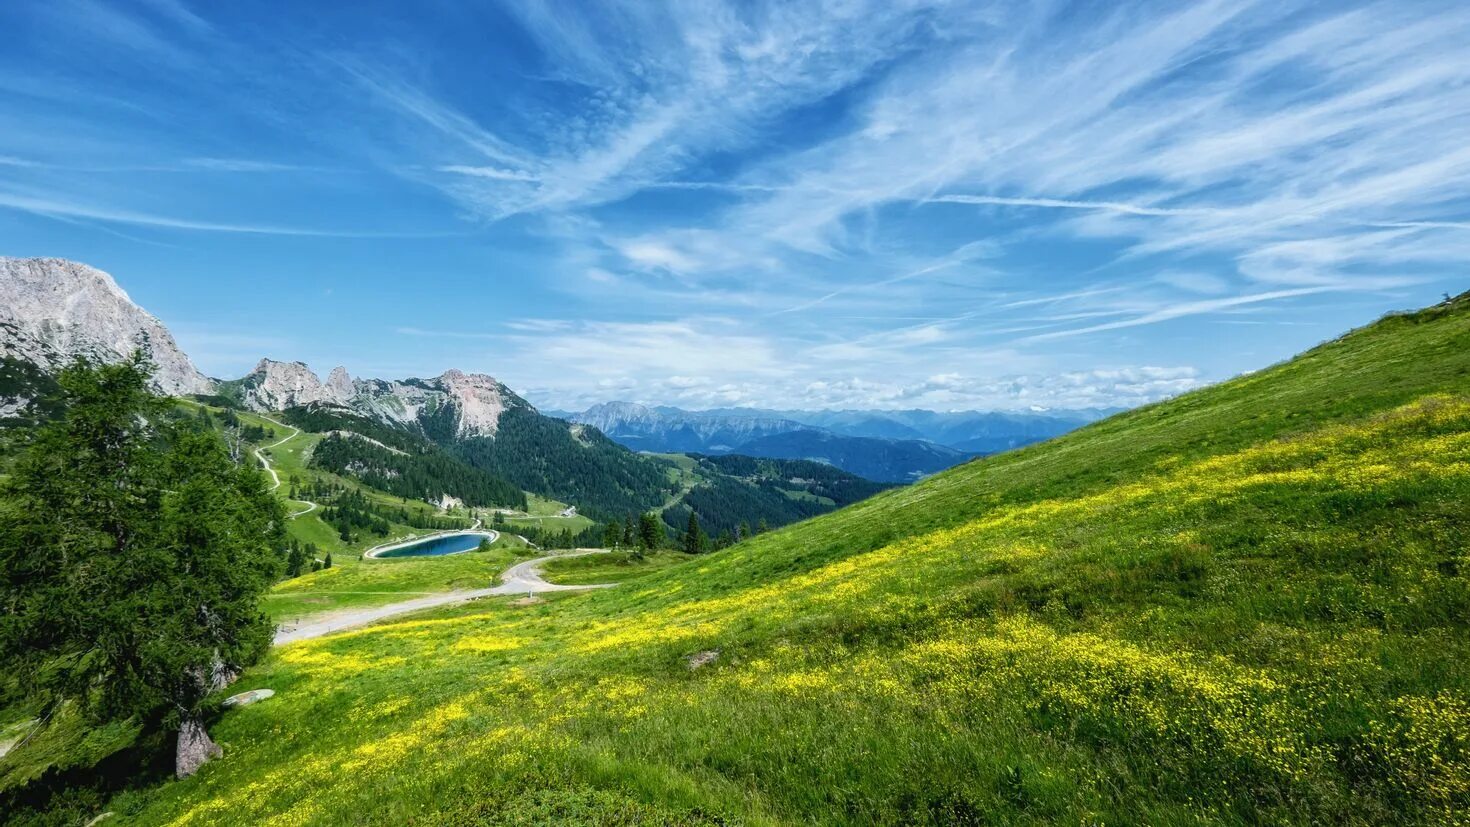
522	578
525	578
276	478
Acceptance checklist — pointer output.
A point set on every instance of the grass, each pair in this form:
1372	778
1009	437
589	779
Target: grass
568	525
377	582
544	513
1245	605
613	567
683	472
807	495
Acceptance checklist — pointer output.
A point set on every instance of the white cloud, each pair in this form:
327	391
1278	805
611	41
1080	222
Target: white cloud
1293	134
434	333
493	173
687	347
242	165
1194	282
70	210
1118	387
650	254
1175	311
1068	204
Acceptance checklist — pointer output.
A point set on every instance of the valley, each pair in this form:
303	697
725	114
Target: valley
944	413
1138	618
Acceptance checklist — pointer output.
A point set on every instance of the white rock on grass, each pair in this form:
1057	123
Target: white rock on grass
248	698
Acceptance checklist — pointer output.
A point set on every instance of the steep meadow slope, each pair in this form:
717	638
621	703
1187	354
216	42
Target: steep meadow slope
1248	604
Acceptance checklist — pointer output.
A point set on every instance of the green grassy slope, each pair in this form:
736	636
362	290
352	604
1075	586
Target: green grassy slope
1245	605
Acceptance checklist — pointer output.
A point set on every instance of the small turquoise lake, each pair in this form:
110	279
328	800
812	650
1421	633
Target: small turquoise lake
435	546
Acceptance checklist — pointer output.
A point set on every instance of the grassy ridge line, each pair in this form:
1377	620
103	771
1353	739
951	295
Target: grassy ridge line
1245	605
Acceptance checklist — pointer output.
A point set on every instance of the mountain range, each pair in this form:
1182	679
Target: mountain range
54	310
889	446
466	429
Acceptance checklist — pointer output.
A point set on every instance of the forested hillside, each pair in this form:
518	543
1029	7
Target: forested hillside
739	493
568	462
574	464
814	478
421	476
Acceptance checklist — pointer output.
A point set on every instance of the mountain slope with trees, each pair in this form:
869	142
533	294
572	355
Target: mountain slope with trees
739	493
567	462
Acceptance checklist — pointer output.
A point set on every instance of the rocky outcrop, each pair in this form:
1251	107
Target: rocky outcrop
339	383
53	310
479	400
469	404
275	386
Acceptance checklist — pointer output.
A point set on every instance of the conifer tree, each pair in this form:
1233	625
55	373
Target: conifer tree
650	531
695	540
133	558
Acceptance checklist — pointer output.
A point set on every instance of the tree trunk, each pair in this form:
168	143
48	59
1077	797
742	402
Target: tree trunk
195	748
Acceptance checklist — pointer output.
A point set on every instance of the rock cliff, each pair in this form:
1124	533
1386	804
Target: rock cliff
469	404
53	310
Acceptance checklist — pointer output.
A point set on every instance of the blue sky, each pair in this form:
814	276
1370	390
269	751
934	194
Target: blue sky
822	205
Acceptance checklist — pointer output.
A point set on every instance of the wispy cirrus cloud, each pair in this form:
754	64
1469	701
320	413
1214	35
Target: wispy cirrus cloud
66	210
857	196
431	333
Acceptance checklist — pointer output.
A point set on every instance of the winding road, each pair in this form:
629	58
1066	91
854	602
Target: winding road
525	577
276	478
522	578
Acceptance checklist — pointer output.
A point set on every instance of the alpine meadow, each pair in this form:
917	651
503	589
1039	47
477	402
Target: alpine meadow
828	412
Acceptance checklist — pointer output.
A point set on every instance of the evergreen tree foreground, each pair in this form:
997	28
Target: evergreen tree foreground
133	551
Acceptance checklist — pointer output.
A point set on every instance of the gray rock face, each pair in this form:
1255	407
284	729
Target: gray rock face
53	310
339	384
474	401
274	386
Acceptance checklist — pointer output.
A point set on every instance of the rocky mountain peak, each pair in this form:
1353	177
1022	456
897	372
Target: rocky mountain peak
339	382
480	401
53	310
274	386
476	400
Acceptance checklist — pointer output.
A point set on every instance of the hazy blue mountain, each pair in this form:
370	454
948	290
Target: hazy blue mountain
883	460
894	445
645	428
984	431
763	434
